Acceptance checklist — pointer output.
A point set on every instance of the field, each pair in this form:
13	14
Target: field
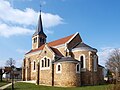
29	86
3	83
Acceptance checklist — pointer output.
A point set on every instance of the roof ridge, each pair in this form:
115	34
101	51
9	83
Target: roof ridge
60	38
54	43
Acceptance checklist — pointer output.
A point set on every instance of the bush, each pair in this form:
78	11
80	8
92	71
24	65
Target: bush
114	87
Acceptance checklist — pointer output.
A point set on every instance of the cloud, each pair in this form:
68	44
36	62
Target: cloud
49	31
27	17
8	31
50	20
104	54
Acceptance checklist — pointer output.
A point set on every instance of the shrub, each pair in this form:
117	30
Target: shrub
114	87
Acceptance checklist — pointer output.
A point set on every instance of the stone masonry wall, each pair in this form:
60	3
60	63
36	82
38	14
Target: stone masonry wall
46	72
88	75
68	76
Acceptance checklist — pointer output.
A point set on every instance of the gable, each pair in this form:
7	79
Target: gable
74	41
47	52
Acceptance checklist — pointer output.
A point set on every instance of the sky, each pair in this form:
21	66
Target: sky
97	21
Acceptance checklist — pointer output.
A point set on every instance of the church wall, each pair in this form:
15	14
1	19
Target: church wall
32	71
34	45
68	76
46	77
100	75
88	75
26	69
46	72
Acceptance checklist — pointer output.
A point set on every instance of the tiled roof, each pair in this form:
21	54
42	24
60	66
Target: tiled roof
67	59
84	46
60	41
40	48
53	43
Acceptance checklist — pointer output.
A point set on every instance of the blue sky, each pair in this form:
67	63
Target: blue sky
97	21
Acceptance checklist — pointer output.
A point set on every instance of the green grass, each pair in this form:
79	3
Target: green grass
3	83
29	86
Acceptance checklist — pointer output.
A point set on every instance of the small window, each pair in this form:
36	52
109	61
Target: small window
45	52
40	39
34	66
43	40
45	62
48	62
95	63
42	63
34	40
81	59
77	68
58	68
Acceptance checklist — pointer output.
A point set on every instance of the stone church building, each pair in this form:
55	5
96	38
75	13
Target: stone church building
64	62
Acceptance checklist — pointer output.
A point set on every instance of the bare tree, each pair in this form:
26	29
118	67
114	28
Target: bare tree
113	62
10	62
1	73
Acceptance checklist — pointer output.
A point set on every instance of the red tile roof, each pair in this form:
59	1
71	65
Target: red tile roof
53	43
60	41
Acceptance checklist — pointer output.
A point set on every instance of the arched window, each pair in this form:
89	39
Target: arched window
82	59
34	40
40	39
34	66
48	62
58	68
42	63
78	68
95	63
43	40
45	62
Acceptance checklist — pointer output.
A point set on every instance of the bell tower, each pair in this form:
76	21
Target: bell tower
39	37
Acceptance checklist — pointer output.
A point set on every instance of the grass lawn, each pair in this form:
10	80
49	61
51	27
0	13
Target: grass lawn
29	86
3	83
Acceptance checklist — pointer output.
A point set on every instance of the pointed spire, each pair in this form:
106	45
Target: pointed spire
39	27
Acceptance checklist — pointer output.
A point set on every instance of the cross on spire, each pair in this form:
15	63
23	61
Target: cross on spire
40	26
40	7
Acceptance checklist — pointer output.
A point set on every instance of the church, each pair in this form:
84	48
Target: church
65	62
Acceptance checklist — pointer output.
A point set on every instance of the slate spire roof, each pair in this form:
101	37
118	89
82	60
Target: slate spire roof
39	27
